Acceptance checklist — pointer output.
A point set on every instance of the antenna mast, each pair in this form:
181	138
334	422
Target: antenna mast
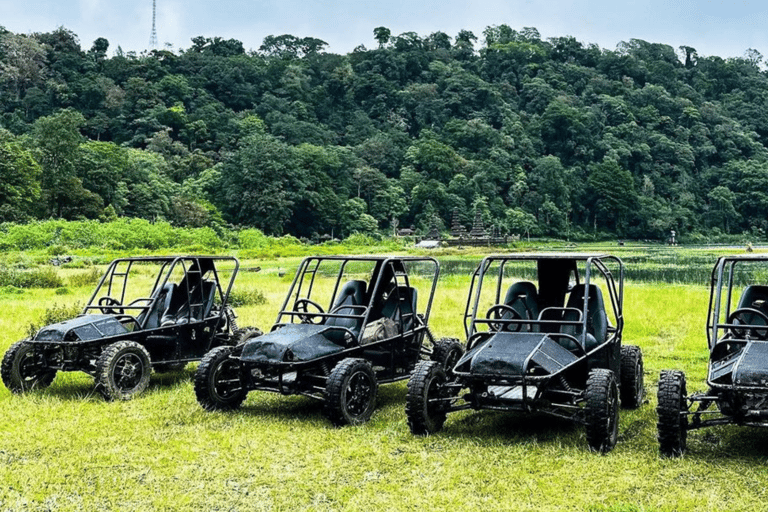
153	36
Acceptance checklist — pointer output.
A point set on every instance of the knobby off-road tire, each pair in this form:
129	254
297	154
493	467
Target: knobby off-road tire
245	334
218	385
350	392
447	352
20	371
672	425
632	386
426	382
602	410
123	370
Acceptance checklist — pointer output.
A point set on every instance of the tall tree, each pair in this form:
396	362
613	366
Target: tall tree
19	180
614	195
56	141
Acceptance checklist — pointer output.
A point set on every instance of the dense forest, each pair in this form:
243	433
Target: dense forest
543	137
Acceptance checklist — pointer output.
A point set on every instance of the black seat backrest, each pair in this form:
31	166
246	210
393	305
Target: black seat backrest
597	318
351	294
561	315
189	308
163	297
400	307
755	297
209	293
523	298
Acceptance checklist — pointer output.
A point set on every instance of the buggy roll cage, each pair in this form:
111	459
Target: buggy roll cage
723	278
391	267
189	264
616	292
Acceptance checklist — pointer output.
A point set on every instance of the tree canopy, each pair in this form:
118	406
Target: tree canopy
553	137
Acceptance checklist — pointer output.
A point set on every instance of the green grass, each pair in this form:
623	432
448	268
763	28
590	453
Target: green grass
64	448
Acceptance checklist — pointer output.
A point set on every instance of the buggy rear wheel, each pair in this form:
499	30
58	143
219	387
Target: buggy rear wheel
447	353
602	410
245	334
218	386
123	370
673	422
425	416
21	372
350	393
632	389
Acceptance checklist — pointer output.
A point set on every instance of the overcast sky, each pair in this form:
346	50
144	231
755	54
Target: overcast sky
725	28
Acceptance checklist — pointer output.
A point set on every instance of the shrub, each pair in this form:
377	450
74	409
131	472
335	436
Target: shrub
55	315
11	290
252	239
251	297
39	278
59	236
89	278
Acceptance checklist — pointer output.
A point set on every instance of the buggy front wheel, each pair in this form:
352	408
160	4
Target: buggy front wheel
218	386
21	372
350	393
425	412
123	370
602	410
673	422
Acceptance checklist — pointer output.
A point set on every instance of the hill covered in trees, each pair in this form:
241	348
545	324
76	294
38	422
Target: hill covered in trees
551	137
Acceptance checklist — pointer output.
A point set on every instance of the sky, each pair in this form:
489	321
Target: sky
712	27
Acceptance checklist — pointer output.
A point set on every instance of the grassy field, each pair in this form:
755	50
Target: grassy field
64	448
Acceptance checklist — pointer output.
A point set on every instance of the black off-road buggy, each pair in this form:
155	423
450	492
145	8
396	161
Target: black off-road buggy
549	345
347	325
737	376
146	312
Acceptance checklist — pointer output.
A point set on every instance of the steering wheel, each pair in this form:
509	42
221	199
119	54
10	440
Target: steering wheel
497	312
307	317
747	316
107	303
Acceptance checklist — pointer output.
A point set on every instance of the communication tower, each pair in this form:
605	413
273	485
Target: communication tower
153	36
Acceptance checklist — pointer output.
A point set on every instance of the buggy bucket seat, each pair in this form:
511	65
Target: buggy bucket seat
400	307
184	308
597	319
348	302
163	298
523	299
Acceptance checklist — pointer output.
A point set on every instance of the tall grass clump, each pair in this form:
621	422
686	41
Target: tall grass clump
358	242
88	278
674	265
252	297
255	244
127	234
45	277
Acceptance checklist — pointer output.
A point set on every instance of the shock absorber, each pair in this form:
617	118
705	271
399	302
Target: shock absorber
231	318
